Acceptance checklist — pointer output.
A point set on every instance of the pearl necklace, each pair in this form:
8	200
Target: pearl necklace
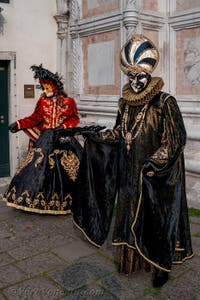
128	135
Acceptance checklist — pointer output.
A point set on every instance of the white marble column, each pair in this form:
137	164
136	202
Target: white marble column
130	17
62	19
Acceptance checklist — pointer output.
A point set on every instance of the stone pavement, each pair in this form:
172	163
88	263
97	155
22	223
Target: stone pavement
45	257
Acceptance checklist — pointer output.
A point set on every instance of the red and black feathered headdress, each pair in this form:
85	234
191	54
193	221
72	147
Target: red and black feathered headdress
45	76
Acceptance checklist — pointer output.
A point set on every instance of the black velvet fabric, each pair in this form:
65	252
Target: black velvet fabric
96	188
45	182
152	215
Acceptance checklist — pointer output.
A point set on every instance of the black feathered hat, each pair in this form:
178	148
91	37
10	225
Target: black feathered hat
45	75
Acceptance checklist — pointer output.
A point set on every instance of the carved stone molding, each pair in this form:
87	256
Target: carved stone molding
62	7
62	21
187	19
130	17
2	21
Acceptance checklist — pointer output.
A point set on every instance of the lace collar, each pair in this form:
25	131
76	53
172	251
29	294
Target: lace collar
152	89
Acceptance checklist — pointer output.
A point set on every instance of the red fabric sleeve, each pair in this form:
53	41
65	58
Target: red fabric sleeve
34	119
72	115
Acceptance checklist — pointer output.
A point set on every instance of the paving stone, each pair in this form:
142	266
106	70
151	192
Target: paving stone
2	297
82	272
127	287
195	220
23	252
35	289
75	250
66	226
39	264
109	252
196	245
53	249
6	245
48	242
183	287
10	274
195	229
30	245
5	259
89	293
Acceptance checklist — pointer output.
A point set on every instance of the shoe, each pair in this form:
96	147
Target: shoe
160	278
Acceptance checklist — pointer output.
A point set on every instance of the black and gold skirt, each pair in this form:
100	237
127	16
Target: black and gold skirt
45	183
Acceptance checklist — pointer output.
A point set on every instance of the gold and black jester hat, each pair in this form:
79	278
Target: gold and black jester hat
139	54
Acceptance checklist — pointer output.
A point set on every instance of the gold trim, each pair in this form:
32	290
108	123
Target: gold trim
32	133
69	161
30	204
182	261
132	226
147	95
39	211
30	157
18	125
87	237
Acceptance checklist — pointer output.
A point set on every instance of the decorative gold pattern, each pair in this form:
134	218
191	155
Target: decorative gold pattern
39	200
30	157
161	156
69	161
147	95
128	135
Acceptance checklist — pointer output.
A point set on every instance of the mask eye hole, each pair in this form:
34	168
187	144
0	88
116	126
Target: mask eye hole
141	76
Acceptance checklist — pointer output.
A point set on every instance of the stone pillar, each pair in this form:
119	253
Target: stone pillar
130	17
62	19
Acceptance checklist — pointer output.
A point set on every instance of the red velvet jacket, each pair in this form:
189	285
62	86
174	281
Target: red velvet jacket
50	113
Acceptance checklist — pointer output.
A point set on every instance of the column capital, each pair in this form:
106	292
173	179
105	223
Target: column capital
130	16
62	21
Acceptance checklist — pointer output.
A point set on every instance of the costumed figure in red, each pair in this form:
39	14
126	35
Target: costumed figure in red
140	162
45	181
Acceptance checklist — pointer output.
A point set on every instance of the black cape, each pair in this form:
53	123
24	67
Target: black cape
45	182
152	215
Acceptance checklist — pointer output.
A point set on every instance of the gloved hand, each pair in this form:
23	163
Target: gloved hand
58	128
91	130
149	169
13	127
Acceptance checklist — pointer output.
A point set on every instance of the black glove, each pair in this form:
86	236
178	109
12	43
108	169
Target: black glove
149	169
91	130
58	128
13	127
85	131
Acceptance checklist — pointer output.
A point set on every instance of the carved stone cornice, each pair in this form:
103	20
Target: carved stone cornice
185	19
62	22
130	16
98	24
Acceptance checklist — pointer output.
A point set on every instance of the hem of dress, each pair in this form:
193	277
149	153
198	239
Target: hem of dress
150	261
179	262
86	236
37	210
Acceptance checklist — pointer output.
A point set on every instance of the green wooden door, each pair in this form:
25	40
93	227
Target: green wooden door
4	134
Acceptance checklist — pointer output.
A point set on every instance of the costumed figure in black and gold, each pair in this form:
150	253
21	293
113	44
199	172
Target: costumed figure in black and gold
45	181
141	161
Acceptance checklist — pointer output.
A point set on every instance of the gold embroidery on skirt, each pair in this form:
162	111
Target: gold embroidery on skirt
39	199
30	157
51	159
69	161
